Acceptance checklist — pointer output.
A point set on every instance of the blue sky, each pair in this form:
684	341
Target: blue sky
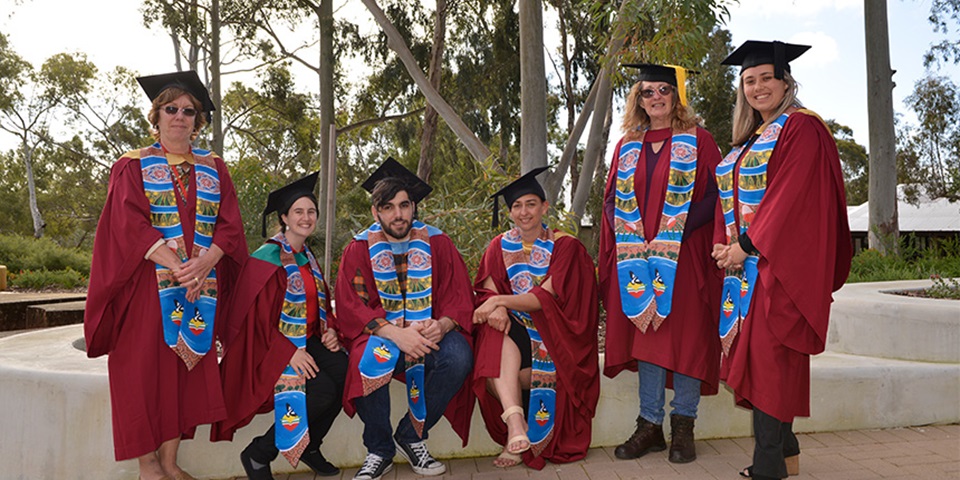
832	74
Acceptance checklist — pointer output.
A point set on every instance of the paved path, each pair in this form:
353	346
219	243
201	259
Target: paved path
917	453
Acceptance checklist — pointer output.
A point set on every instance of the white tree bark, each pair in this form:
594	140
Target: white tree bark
477	149
884	230
533	88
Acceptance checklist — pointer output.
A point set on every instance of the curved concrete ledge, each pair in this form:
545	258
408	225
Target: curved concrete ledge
866	321
57	421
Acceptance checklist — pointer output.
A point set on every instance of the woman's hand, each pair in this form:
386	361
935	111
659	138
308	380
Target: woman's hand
195	270
729	256
303	364
331	340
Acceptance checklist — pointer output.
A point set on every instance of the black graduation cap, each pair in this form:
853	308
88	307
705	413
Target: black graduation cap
282	198
672	74
522	186
154	85
416	188
755	52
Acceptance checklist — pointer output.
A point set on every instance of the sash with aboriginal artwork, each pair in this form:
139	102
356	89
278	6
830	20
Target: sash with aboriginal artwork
527	270
187	326
646	269
751	181
290	392
381	355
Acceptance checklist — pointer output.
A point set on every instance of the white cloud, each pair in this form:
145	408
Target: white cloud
790	8
824	49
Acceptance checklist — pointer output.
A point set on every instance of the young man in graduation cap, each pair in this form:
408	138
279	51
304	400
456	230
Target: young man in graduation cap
537	373
784	244
169	244
280	352
404	304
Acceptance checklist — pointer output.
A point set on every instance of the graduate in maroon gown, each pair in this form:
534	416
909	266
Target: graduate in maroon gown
169	244
785	244
404	305
537	318
659	286
280	354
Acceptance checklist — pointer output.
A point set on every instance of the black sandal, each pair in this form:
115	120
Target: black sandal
747	472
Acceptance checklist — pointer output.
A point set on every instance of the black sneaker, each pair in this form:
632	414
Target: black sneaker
420	459
262	473
374	467
318	464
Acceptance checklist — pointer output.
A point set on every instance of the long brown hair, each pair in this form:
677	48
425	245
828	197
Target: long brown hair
635	117
746	120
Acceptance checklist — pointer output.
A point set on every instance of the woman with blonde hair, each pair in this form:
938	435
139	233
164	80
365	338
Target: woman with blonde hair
169	244
656	280
784	242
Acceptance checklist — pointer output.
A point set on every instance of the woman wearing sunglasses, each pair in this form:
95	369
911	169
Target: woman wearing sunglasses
784	243
656	280
169	244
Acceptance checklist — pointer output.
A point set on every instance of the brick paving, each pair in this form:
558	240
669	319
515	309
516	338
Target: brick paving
931	452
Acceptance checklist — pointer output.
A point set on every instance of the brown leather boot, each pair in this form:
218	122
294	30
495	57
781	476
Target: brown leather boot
682	449
648	437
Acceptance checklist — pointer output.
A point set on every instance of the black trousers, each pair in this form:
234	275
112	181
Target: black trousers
324	394
773	441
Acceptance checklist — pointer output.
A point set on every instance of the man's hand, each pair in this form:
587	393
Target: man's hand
409	339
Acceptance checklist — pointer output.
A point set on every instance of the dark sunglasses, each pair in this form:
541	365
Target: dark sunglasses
664	90
187	111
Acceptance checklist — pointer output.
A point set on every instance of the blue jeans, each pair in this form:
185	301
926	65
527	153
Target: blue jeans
444	373
653	381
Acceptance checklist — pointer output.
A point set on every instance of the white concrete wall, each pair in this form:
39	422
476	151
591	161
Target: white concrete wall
56	408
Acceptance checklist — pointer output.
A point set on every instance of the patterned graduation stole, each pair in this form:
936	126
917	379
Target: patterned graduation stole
646	270
381	355
187	326
291	432
525	272
751	181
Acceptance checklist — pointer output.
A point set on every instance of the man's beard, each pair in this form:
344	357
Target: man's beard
389	230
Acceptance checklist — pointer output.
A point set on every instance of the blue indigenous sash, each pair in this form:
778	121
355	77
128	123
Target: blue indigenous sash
525	272
380	355
187	326
751	181
291	432
646	270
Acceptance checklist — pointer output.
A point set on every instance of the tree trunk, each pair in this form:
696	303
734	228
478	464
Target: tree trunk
217	123
533	88
32	189
884	231
430	117
477	149
554	181
596	141
325	17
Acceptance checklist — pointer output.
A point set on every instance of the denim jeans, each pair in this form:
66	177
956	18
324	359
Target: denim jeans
653	381
444	373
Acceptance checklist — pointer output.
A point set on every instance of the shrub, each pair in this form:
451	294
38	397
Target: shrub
28	253
40	279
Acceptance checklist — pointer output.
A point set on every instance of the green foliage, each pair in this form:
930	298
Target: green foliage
911	263
943	13
713	92
19	252
854	163
929	154
944	288
42	279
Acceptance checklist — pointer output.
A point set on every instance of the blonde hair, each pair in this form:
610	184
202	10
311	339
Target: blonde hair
746	120
635	117
168	95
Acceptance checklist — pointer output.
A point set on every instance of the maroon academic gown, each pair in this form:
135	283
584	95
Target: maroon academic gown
256	352
452	297
153	396
567	323
687	341
800	229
